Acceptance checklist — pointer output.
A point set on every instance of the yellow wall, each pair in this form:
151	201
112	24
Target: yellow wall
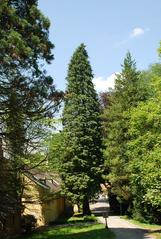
37	203
45	212
53	209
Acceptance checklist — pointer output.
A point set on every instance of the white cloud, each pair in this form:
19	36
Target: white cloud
138	31
103	84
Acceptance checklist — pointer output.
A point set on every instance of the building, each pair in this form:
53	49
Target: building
42	198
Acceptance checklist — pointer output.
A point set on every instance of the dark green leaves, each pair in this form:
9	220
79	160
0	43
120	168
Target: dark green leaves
82	160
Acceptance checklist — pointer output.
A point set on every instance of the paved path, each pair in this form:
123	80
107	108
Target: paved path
122	228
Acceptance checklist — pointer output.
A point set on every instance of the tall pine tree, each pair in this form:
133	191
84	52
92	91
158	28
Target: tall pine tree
27	94
81	165
129	91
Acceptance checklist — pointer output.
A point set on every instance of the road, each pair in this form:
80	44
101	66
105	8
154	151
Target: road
122	228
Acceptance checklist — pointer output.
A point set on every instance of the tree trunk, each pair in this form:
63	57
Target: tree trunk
79	209
86	209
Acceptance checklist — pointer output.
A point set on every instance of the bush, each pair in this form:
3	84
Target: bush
28	223
91	218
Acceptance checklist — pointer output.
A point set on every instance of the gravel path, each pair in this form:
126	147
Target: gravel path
122	228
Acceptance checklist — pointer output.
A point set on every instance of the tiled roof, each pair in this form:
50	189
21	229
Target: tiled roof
43	179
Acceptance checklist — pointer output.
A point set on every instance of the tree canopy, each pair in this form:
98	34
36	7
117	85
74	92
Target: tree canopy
129	91
27	93
82	160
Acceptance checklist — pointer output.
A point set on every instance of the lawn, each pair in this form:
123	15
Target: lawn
73	230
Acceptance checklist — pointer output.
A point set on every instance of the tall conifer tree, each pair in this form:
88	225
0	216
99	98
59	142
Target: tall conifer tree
82	160
129	91
27	94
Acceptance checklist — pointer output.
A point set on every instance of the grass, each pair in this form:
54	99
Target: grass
77	218
157	235
76	228
155	229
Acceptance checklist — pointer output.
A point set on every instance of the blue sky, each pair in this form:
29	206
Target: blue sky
109	28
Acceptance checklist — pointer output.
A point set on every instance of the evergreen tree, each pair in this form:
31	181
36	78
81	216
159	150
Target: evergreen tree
24	35
27	94
129	91
81	166
7	196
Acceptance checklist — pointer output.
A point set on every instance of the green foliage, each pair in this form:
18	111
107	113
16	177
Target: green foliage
145	152
129	90
90	218
26	94
132	124
159	49
79	218
81	165
24	35
7	197
55	151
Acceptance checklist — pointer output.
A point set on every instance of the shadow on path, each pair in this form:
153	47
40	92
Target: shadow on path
122	228
130	233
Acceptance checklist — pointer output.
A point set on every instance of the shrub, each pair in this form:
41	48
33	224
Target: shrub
91	218
28	223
